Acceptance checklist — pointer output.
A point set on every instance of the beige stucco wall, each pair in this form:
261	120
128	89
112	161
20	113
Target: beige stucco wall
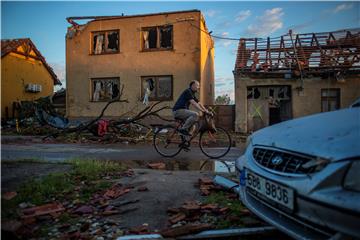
183	62
16	72
303	103
207	66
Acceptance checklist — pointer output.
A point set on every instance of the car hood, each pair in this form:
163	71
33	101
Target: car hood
331	135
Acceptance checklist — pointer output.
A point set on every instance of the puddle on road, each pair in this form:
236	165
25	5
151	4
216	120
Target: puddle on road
217	166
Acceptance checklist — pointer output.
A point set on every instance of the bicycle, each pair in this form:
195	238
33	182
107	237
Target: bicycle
169	142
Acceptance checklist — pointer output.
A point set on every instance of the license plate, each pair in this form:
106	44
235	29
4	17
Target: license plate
270	190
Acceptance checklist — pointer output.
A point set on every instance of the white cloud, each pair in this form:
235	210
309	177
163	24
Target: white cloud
59	69
342	7
224	85
227	43
224	42
267	24
242	16
211	13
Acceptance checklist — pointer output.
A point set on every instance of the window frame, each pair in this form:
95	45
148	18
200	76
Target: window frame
328	98
92	33
158	43
156	98
92	88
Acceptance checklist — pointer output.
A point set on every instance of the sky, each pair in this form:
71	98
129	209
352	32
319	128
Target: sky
45	23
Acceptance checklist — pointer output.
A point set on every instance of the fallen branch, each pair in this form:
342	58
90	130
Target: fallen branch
115	125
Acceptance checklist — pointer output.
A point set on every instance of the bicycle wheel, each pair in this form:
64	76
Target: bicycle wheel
215	144
167	141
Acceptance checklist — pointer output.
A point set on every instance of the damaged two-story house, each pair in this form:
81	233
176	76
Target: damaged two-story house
277	79
25	75
107	53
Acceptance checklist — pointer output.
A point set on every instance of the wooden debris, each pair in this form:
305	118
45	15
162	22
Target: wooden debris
42	210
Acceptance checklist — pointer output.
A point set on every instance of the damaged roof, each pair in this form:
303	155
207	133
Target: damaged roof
11	45
315	53
98	18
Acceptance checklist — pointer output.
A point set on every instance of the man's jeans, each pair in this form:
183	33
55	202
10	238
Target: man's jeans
190	117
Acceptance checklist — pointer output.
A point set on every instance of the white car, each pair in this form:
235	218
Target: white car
303	175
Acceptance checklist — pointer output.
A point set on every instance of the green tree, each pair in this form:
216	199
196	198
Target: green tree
222	100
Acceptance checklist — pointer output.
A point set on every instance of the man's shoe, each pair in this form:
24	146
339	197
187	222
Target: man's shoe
186	149
184	132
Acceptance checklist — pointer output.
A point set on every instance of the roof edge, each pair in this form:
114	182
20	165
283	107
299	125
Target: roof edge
98	18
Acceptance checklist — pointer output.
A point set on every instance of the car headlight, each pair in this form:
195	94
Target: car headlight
352	179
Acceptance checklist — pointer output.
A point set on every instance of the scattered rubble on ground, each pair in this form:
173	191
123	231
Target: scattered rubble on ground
80	218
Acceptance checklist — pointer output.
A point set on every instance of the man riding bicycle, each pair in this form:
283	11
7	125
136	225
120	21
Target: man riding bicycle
181	107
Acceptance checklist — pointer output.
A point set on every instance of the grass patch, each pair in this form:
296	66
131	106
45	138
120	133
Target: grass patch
235	208
94	169
80	184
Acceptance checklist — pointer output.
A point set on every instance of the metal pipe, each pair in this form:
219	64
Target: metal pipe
226	233
226	183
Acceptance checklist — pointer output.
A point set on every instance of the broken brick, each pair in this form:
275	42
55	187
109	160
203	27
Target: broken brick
9	195
191	206
184	230
42	210
177	218
139	229
223	210
116	192
205	181
158	166
204	192
84	210
210	207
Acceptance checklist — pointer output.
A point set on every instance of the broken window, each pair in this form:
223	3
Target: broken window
330	99
104	89
253	93
105	42
157	37
162	88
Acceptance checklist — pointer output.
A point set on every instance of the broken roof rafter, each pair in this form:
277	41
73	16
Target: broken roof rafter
339	50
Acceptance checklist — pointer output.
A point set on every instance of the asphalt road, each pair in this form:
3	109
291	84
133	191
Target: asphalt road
135	155
61	152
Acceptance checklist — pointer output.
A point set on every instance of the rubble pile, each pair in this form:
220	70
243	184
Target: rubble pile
73	218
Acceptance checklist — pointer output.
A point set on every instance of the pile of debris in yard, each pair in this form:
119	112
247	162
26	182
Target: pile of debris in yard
41	117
